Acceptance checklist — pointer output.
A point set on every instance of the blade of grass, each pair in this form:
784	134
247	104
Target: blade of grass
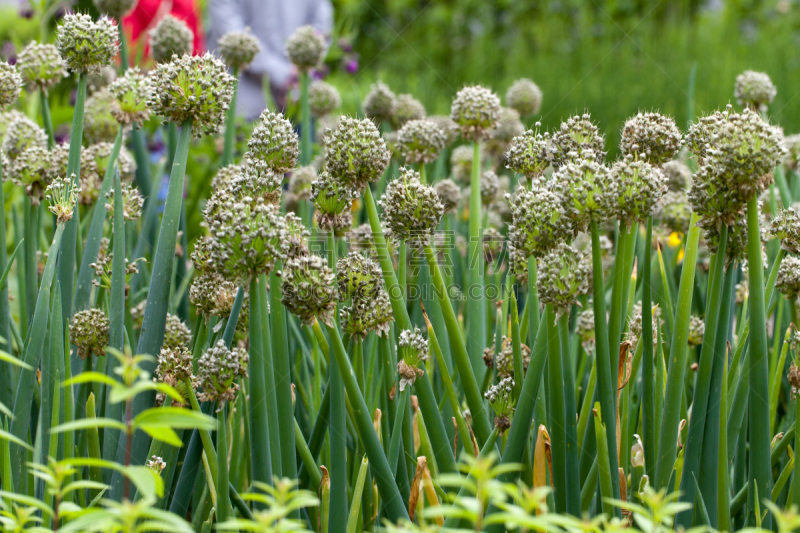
283	378
260	456
358	491
557	417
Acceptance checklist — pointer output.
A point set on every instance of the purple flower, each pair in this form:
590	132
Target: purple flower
345	45
351	65
26	11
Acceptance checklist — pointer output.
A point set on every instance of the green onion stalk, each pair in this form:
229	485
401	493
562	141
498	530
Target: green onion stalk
760	467
337	427
230	125
606	388
476	306
670	419
700	398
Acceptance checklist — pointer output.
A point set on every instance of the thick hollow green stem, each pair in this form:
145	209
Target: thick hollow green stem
224	511
123	48
260	456
667	440
618	307
480	418
397	430
607	389
32	218
427	400
573	465
230	126
6	371
83	290
476	305
47	120
648	370
700	398
557	418
606	473
66	264
269	380
283	378
523	414
392	501
23	402
337	429
758	412
713	446
305	120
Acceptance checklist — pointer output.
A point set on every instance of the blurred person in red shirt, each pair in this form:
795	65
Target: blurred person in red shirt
148	13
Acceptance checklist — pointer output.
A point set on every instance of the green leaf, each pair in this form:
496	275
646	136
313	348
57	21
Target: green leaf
86	423
174	417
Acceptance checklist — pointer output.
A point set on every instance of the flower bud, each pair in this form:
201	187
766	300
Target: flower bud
652	137
97	81
62	195
132	202
170	37
792	158
379	103
332	202
274	142
563	276
420	141
788	281
212	295
447	126
301	180
323	98
586	190
192	87
238	49
635	325
449	194
21	134
176	334
530	153
490	184
174	365
85	45
412	351
476	110
636	186
99	123
502	402
356	154
88	332
306	48
786	227
308	289
217	371
539	223
131	93
584	328
225	176
31	170
577	137
406	108
674	213
461	162
508	127
678	175
697	328
412	210
249	236
755	90
525	97
41	66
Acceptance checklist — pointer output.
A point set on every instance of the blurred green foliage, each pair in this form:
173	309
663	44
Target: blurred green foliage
610	57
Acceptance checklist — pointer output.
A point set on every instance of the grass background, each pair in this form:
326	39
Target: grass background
611	57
